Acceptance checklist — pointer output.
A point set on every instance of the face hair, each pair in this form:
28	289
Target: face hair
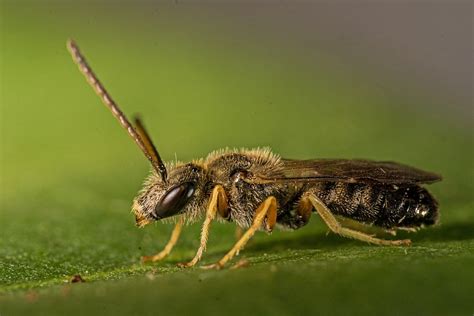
139	135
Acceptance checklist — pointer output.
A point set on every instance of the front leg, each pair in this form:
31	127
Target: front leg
218	203
266	210
169	246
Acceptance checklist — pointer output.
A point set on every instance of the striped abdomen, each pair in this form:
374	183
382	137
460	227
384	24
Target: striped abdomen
380	204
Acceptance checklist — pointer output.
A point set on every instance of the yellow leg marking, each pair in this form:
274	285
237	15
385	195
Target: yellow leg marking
266	210
304	209
238	232
217	193
365	228
271	217
336	227
222	205
169	246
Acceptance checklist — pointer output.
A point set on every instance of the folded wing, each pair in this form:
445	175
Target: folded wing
351	171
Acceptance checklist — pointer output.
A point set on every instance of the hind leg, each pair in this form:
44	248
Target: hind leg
337	228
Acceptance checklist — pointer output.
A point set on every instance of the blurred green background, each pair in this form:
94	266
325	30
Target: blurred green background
210	76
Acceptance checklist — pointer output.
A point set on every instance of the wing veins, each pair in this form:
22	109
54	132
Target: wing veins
348	170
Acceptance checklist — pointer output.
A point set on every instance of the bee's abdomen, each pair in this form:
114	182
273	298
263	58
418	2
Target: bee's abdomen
380	205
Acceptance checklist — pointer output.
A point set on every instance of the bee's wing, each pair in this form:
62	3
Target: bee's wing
350	170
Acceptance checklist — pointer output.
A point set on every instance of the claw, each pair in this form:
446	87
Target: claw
184	265
158	257
145	259
216	266
242	263
403	242
392	232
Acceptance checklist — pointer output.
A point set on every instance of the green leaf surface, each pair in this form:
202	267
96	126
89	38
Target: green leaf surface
69	173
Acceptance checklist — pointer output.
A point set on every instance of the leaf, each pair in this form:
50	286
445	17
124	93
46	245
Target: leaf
69	174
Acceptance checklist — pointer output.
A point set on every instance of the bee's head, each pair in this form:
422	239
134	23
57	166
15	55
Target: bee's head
168	191
179	194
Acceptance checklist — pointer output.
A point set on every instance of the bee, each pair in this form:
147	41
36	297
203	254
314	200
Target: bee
258	190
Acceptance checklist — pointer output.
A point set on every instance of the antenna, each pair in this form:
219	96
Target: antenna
139	135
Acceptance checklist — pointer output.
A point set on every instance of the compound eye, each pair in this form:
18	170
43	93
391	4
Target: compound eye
174	200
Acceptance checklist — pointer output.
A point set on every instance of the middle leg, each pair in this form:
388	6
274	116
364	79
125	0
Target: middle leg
266	210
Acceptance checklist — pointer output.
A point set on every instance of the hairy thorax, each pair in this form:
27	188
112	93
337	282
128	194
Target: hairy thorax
235	170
